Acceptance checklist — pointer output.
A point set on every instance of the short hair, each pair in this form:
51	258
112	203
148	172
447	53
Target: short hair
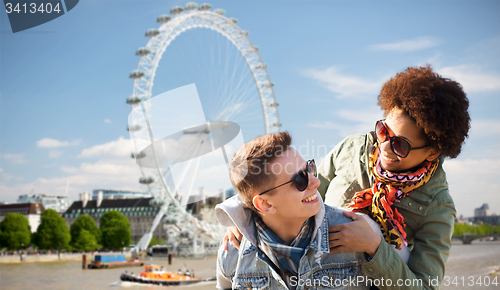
438	105
249	171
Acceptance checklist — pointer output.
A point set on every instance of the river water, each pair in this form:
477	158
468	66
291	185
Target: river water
477	260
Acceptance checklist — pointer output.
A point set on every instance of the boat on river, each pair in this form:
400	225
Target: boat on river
158	275
113	261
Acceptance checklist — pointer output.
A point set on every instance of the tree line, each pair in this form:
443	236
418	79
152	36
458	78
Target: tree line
483	229
52	234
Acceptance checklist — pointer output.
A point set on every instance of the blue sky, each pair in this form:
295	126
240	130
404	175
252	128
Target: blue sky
63	84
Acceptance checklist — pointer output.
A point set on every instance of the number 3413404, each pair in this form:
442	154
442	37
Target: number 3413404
470	281
32	8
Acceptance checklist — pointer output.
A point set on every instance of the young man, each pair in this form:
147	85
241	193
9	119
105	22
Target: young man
285	239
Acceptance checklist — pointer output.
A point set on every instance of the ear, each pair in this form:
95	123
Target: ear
262	204
433	154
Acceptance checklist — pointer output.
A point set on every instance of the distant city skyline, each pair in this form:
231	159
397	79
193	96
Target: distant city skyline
63	84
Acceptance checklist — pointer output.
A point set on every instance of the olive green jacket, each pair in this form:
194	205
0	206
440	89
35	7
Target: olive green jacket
429	213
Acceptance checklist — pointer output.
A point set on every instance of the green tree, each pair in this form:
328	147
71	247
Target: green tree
15	231
115	230
85	241
154	241
52	233
87	224
483	229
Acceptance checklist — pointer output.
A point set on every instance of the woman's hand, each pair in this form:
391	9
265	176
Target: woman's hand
355	236
232	235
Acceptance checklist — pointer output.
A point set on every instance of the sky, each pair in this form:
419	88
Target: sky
63	84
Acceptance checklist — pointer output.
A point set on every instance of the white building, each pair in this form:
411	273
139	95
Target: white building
31	211
118	194
484	210
58	203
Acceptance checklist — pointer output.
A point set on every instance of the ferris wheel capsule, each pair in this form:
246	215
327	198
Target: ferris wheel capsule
152	32
143	51
133	100
156	202
138	155
244	33
169	220
191	6
163	18
260	66
133	127
136	74
252	49
186	234
267	85
220	11
146	180
176	10
205	7
275	104
233	20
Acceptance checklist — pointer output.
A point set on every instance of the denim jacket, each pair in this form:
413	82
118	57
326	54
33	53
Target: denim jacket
250	268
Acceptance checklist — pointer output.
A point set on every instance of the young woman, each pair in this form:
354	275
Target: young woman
395	175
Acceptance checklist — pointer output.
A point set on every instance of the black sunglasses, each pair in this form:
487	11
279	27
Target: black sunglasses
301	179
399	146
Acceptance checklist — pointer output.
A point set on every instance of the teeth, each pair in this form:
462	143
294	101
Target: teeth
389	159
311	198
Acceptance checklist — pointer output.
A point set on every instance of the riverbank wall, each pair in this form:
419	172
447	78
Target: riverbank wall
9	259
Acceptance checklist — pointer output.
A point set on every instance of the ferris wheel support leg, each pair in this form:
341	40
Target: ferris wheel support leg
183	175
144	242
185	197
195	244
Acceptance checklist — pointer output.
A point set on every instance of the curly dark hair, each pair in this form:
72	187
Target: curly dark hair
438	105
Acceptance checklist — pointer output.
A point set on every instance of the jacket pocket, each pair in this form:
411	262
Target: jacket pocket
335	278
251	283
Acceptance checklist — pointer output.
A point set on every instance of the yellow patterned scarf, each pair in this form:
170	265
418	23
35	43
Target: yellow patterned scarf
388	188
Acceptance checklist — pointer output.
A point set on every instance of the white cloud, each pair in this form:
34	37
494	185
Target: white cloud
105	167
114	169
4	176
14	158
344	85
110	173
473	182
326	125
107	121
55	154
68	169
119	148
358	121
409	45
484	128
53	143
472	77
365	115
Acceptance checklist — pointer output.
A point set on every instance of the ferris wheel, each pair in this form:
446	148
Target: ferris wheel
197	45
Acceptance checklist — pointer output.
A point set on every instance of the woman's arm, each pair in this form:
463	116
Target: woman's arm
425	269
